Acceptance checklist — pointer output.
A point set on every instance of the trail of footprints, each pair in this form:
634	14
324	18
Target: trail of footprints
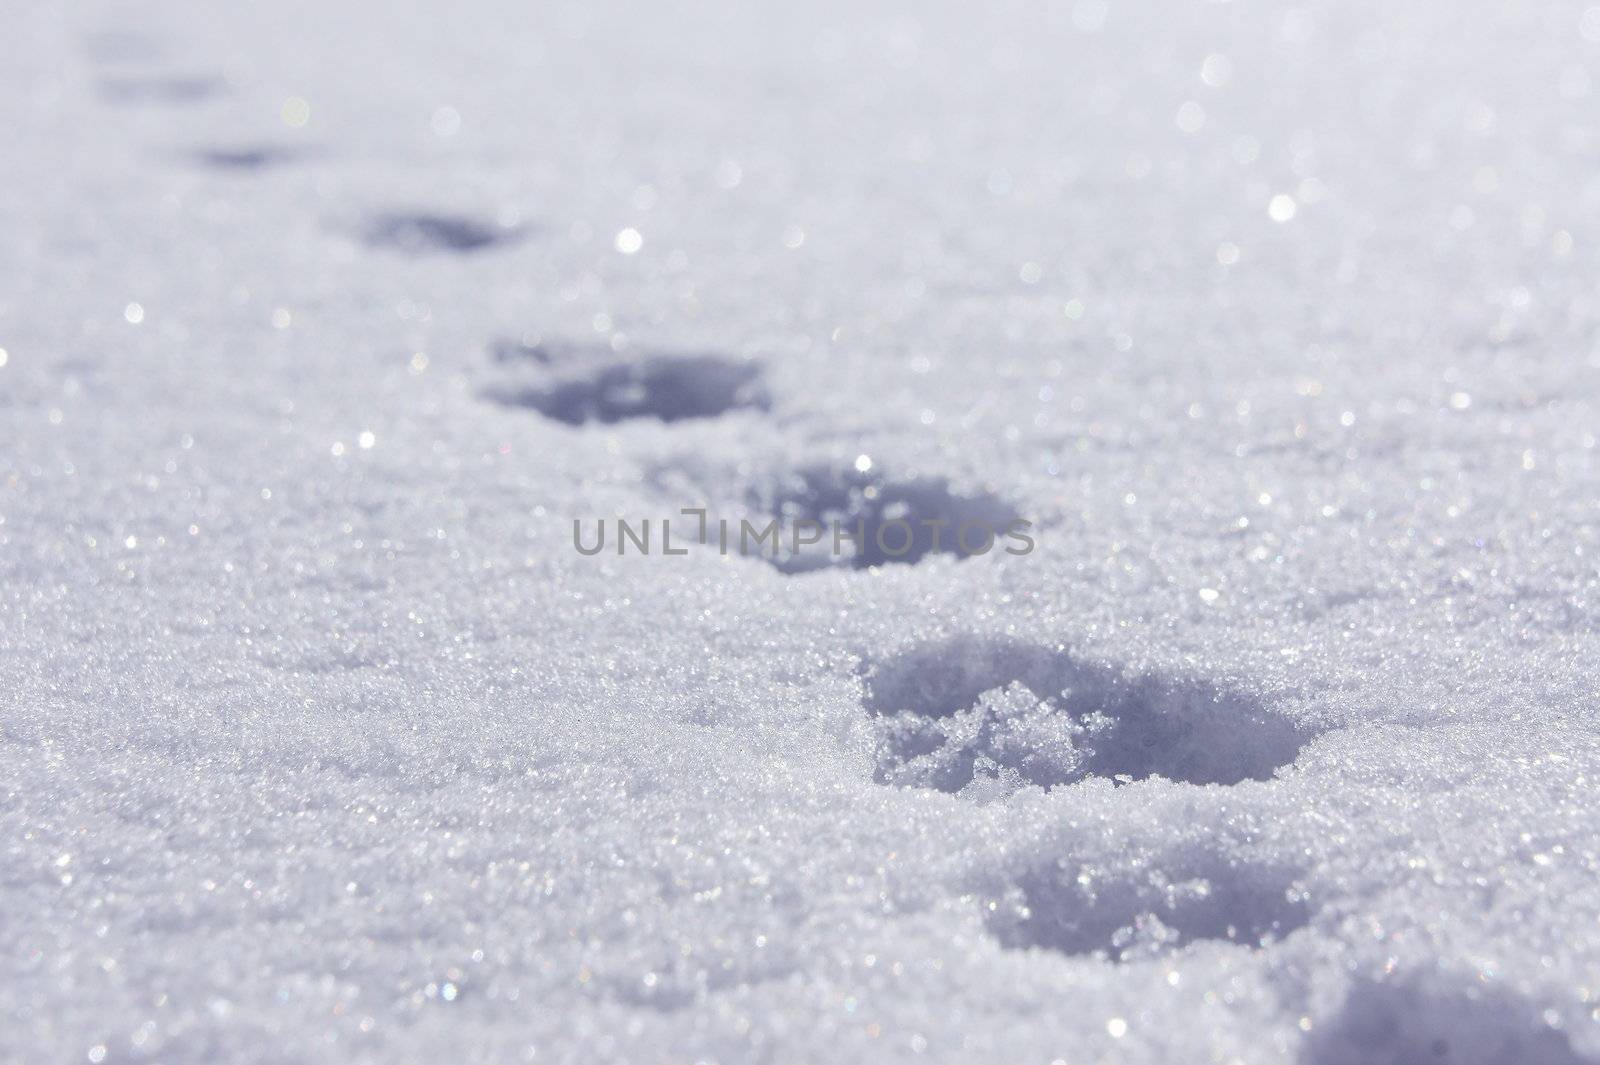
973	716
889	520
976	716
980	717
131	74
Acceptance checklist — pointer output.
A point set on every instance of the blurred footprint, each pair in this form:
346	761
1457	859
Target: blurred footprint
578	384
255	157
417	232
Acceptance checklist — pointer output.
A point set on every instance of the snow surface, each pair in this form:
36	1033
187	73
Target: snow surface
322	322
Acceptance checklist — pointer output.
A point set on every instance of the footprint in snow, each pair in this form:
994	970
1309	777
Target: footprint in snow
973	714
884	519
576	385
420	232
1137	911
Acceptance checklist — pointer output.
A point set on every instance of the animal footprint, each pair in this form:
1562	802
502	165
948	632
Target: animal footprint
580	385
979	713
420	232
1134	911
883	519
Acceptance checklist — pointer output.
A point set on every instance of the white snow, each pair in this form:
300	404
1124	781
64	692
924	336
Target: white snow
321	324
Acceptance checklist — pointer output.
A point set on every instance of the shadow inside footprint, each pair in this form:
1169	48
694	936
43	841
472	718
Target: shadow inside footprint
1126	914
969	710
667	387
424	232
883	520
1397	1023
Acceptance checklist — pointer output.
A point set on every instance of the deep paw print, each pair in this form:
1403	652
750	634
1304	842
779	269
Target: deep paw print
1136	911
577	385
858	515
420	232
977	715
